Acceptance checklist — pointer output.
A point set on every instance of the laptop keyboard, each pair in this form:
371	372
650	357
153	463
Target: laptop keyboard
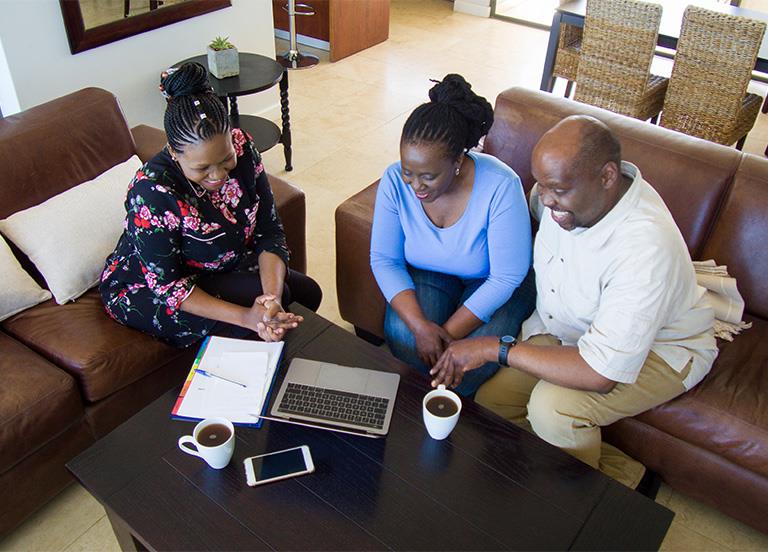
332	405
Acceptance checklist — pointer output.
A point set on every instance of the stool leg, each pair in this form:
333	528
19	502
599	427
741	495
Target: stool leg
765	105
740	143
568	88
285	137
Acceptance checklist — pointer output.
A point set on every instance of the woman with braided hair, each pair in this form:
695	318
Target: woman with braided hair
451	239
203	250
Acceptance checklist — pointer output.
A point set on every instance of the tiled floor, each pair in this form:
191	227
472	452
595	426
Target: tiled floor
346	123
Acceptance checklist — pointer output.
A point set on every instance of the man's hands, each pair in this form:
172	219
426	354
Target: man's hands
462	356
268	319
431	341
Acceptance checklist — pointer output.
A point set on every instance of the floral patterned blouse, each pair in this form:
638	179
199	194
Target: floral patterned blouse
172	237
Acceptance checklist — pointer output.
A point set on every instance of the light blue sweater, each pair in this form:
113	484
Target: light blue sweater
491	239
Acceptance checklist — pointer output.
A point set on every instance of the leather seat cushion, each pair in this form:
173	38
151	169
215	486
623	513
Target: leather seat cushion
37	402
727	413
102	355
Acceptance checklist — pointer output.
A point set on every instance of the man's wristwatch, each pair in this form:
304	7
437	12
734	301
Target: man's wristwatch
505	344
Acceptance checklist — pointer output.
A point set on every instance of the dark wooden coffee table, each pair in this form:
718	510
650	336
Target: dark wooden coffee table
489	486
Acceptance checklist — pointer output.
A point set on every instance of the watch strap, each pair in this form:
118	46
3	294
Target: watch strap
503	351
505	344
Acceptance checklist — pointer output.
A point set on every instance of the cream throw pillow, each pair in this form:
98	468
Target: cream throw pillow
18	290
69	236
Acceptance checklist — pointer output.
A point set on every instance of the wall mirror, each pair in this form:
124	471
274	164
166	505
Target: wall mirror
92	23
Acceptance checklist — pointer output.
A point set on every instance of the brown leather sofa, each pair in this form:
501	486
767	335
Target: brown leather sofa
711	443
69	373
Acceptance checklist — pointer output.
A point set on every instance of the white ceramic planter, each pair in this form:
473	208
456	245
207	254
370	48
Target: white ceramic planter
223	63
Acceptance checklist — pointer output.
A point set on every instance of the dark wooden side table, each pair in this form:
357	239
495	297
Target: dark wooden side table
257	73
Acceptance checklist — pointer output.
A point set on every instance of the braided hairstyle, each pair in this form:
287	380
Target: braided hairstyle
194	113
455	117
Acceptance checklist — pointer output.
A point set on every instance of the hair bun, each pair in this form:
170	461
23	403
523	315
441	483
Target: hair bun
452	90
456	92
189	79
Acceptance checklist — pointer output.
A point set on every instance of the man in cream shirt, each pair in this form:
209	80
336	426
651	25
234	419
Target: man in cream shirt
620	325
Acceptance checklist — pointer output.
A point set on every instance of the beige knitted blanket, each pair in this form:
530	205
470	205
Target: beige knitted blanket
724	297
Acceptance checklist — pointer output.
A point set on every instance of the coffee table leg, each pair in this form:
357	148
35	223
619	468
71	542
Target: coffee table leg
125	538
285	137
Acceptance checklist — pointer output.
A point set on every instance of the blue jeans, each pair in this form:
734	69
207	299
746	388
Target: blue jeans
439	296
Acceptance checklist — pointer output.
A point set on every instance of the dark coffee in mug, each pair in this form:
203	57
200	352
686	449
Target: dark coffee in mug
213	435
442	406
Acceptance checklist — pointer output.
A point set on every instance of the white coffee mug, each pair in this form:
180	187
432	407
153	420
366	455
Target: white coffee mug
439	427
217	456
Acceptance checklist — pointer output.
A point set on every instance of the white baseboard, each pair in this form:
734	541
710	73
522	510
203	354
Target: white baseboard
467	6
306	40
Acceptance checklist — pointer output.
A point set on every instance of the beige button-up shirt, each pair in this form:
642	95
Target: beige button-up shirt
622	288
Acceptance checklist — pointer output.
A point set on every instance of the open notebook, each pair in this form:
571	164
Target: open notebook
230	378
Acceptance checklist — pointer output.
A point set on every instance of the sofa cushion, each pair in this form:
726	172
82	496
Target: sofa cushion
102	355
56	145
37	402
68	236
738	239
19	291
727	413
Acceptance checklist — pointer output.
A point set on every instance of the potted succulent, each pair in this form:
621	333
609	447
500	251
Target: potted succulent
223	60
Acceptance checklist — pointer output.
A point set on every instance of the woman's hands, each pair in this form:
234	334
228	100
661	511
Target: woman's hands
431	341
268	319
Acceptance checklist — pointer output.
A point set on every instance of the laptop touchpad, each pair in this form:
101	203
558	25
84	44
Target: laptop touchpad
342	380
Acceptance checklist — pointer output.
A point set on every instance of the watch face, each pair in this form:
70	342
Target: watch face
508	339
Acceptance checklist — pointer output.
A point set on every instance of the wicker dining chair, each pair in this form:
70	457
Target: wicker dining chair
616	53
567	56
707	94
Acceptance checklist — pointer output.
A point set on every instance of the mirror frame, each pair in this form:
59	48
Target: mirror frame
81	39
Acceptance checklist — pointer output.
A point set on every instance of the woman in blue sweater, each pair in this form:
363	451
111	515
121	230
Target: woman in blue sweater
451	238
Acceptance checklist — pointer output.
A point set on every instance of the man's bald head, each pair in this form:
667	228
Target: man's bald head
585	143
577	164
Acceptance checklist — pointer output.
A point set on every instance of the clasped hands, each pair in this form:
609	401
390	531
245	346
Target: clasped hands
459	357
268	319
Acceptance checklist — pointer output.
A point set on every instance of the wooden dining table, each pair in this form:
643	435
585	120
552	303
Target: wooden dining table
574	12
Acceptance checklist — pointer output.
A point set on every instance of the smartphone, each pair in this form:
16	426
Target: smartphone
275	466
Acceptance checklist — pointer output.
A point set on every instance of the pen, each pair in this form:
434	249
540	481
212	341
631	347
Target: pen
212	375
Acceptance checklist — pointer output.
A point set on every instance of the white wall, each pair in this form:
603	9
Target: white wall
41	67
481	8
9	103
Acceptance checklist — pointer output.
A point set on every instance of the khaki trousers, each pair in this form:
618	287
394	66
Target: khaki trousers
571	419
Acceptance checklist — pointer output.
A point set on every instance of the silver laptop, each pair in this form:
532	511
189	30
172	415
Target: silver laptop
338	398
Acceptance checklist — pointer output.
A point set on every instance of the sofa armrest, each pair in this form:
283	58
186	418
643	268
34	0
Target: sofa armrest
149	141
360	300
291	206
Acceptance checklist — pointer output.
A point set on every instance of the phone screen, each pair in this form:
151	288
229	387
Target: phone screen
279	464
